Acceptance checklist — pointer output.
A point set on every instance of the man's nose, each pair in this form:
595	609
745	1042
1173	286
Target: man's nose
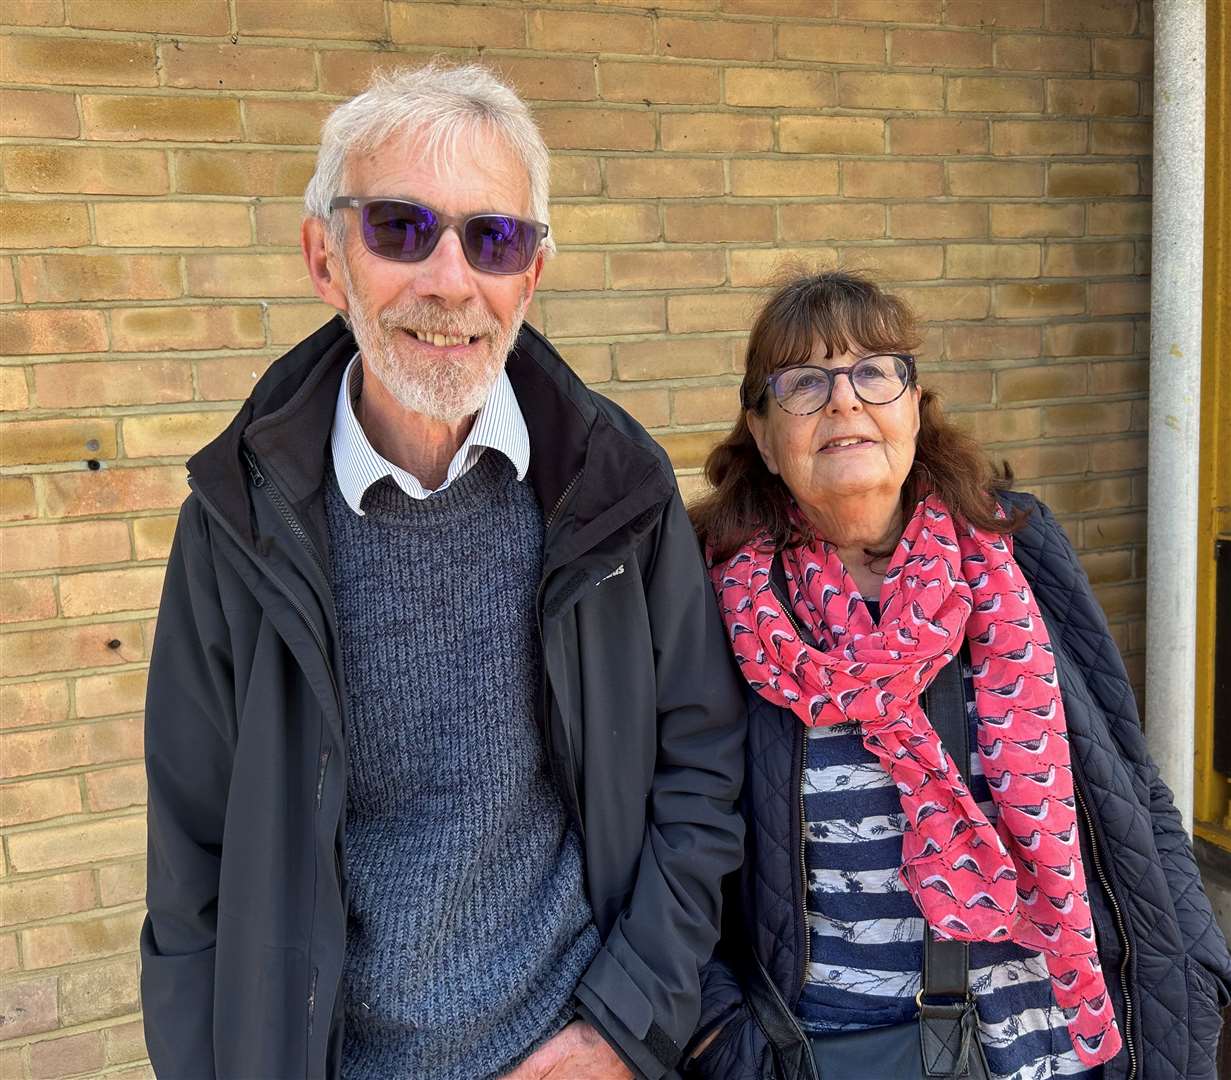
445	276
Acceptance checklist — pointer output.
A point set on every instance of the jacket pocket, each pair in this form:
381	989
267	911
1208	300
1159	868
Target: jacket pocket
740	1052
1204	1022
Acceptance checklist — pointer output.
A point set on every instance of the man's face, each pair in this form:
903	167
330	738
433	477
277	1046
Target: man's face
436	333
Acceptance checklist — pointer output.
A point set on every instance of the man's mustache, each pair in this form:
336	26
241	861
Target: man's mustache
432	319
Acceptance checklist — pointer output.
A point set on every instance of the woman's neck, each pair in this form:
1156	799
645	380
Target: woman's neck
856	526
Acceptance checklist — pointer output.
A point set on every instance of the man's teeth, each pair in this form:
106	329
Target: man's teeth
440	340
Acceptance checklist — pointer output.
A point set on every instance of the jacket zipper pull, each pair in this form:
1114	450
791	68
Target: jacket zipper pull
258	478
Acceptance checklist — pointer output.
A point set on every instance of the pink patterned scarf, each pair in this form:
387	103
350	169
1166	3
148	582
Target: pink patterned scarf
1020	881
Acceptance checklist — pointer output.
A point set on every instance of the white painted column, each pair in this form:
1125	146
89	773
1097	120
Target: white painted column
1175	389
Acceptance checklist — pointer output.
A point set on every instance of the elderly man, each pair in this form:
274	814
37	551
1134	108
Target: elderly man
442	736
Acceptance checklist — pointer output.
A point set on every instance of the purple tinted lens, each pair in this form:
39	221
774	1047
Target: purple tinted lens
499	244
399	230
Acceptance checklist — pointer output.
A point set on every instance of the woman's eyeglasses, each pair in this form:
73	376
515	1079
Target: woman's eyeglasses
407	231
876	380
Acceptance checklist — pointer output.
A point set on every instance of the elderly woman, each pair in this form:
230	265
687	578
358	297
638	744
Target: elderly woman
960	859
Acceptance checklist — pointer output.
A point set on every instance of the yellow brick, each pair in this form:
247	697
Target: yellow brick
573	270
38	114
1040	383
88	170
793	89
1048	460
348	71
232	378
203	17
33	704
1121	137
53	749
60	278
720	132
40	224
700	223
782	8
1119	454
960	387
35	652
1124	377
1088	339
992	260
875	90
171	434
1119	218
1039	52
246	173
937	135
122	883
992	426
591	362
892	179
179	118
597	129
995	178
172	224
363	20
40	441
255	276
42	332
156	328
42	547
920	220
666	269
974	94
714	40
1088	260
711	311
896	261
278	224
940	48
17	498
1093	418
1092	97
64	61
998	14
935	303
767	265
1038	137
285	121
1111	16
290	323
832	44
36	800
909	11
572	174
8	284
26	599
238	67
779	179
605	223
1025	219
575	31
152	536
115	789
640	177
68	1055
47	897
110	590
601	316
705	404
1120	298
689	449
651	408
1127	56
831	135
100	991
34	12
662	83
824	222
1039	300
90	939
28	1006
673	358
561	80
13	392
1065	180
112	693
448	25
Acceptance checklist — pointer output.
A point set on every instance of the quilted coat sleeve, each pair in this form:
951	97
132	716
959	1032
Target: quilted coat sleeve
1108	680
189	721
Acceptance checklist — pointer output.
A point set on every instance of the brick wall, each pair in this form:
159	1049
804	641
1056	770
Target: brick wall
987	157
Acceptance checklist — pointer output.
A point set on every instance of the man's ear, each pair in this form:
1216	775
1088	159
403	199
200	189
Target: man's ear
757	424
318	253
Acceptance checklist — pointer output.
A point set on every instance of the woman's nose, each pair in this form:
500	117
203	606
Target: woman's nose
843	398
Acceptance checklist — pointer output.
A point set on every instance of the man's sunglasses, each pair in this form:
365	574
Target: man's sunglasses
408	232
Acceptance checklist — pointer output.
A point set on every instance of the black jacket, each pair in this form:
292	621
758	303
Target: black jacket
640	712
1165	959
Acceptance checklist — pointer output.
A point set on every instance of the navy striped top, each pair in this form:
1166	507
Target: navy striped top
867	933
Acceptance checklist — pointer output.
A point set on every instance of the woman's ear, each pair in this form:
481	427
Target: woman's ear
758	424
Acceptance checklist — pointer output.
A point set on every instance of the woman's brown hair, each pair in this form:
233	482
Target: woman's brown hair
843	310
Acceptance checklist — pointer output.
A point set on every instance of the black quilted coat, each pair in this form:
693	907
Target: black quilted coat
1166	961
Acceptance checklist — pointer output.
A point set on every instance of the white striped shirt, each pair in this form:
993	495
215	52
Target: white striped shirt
498	425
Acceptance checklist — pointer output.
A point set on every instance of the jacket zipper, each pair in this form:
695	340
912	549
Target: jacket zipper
568	489
284	510
1097	860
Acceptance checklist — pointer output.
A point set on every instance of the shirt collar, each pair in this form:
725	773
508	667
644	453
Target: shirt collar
498	425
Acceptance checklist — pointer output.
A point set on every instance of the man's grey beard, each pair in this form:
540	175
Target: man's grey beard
446	390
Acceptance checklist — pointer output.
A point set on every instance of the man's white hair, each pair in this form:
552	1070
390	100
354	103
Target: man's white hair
443	103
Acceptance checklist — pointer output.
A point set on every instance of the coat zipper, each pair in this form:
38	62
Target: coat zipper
568	489
1097	860
284	510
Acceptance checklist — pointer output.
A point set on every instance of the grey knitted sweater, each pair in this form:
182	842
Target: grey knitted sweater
468	922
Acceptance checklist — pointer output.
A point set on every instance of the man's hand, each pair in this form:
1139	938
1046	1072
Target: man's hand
576	1053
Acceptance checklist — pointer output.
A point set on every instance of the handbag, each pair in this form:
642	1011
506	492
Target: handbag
943	1043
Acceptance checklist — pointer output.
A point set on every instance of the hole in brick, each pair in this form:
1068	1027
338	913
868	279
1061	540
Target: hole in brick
92	444
93	464
114	643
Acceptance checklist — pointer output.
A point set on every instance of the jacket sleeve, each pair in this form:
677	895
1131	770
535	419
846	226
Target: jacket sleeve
642	990
1203	940
189	726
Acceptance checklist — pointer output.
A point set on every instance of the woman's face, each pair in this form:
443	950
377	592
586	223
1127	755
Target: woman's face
846	449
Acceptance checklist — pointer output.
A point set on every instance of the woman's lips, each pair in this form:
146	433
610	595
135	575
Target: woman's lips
863	444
